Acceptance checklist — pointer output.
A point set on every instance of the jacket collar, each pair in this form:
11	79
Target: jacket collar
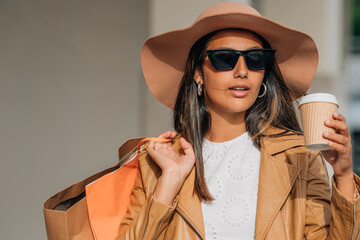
275	182
275	145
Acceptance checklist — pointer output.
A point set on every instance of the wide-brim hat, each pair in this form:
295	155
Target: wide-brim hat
164	56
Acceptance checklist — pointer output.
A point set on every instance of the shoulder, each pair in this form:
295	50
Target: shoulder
291	149
289	143
278	140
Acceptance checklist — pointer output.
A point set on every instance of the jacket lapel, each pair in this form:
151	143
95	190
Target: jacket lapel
189	204
276	179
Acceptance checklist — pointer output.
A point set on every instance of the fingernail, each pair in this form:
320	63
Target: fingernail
336	114
327	121
326	134
330	143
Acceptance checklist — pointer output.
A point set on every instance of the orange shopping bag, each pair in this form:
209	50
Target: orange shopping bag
107	198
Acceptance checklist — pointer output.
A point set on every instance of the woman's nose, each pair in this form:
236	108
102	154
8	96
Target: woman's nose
240	69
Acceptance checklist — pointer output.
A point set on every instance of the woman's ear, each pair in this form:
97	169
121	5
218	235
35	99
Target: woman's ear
198	76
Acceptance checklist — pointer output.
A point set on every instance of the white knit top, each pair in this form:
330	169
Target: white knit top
232	176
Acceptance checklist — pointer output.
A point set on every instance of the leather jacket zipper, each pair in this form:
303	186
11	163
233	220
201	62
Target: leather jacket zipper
193	227
161	220
147	220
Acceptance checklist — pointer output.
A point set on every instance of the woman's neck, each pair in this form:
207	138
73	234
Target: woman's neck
225	127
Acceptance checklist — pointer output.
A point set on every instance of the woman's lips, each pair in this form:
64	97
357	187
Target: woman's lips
239	91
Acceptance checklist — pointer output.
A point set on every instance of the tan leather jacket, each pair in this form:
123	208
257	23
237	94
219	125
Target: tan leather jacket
293	200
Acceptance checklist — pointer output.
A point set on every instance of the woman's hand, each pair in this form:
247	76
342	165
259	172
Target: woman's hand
175	168
340	156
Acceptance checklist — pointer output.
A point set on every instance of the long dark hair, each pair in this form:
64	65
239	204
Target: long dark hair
192	119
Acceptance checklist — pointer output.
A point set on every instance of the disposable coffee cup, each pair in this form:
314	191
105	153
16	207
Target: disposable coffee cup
315	109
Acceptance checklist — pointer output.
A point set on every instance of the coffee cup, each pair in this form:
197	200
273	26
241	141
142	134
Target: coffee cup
315	109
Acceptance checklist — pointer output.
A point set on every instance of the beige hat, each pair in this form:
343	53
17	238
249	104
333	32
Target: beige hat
164	56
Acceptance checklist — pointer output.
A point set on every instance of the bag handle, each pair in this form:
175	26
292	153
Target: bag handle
145	142
141	145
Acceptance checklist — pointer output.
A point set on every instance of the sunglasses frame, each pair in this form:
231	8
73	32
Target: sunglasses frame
209	53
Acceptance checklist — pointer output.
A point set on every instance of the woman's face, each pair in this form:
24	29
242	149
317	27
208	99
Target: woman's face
231	91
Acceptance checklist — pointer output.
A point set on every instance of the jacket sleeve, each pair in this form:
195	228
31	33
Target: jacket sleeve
146	218
330	217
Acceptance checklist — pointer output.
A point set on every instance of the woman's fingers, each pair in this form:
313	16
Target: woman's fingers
156	155
340	148
151	149
339	156
158	146
168	134
340	141
337	138
339	123
338	116
188	150
167	159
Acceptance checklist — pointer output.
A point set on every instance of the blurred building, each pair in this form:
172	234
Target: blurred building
352	69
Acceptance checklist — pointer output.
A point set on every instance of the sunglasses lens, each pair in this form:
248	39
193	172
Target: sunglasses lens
257	60
223	59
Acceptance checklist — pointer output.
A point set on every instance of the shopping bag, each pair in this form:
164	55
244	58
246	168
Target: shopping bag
106	204
93	208
66	214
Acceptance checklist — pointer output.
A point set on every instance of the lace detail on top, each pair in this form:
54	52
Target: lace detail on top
232	176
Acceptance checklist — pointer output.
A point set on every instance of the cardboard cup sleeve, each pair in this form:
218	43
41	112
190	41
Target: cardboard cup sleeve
315	109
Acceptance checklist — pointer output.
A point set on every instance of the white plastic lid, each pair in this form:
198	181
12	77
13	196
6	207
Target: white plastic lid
318	97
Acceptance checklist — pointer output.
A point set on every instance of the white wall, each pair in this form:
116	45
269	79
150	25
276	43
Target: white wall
70	94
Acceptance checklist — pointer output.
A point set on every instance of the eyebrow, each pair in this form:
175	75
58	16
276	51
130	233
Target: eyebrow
256	47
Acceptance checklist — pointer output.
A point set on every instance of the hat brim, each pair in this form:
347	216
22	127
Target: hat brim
164	56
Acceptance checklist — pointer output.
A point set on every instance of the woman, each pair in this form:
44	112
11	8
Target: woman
239	168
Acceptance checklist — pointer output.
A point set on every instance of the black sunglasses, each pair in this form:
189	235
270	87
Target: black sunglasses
226	59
